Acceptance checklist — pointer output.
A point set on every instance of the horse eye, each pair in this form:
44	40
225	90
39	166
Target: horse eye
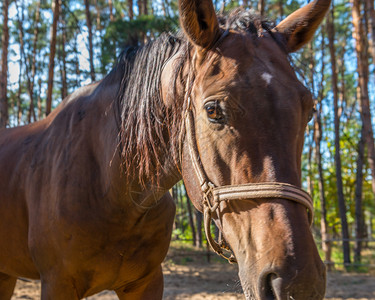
214	112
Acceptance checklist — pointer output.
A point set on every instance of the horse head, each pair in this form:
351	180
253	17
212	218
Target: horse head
246	113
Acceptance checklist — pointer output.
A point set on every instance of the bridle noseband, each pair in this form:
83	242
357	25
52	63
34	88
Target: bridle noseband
214	195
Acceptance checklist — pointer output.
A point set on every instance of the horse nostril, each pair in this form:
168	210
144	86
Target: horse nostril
269	293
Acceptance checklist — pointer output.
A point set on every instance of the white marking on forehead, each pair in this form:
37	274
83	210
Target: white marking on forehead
267	78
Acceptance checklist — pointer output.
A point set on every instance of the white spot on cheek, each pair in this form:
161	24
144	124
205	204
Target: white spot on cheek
267	78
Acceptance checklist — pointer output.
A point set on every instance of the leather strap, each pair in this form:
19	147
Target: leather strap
264	190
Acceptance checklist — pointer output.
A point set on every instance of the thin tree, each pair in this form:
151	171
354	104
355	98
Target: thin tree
29	79
261	4
358	200
362	68
97	9
76	61
339	184
281	8
145	7
130	9
326	244
51	64
39	99
199	220
110	7
190	214
4	67
62	56
91	47
33	62
371	28
22	53
318	132
140	7
311	130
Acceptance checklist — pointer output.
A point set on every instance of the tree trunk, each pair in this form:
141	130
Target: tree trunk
51	65
181	215
176	223
19	95
91	49
39	99
358	200
140	7
145	7
326	244
97	8
371	28
261	4
199	219
33	63
130	8
4	68
191	220
22	56
281	9
310	131
223	5
30	79
64	84
164	8
110	7
339	185
362	66
76	62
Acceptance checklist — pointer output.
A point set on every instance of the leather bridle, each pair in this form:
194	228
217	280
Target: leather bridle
214	195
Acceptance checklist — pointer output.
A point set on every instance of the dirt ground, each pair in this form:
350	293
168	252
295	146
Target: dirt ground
189	276
218	281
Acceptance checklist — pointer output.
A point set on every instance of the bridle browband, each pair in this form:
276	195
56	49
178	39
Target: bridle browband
214	195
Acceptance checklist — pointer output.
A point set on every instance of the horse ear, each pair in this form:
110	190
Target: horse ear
299	27
198	19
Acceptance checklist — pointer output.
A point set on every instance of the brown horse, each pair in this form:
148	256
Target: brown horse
83	193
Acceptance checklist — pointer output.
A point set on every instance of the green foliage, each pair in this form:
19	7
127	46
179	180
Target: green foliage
122	33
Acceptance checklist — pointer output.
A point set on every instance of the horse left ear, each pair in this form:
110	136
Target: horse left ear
199	21
299	27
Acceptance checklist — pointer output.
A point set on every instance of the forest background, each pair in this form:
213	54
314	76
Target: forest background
50	48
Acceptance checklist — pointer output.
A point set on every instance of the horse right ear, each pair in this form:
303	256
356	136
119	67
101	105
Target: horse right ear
199	21
300	26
